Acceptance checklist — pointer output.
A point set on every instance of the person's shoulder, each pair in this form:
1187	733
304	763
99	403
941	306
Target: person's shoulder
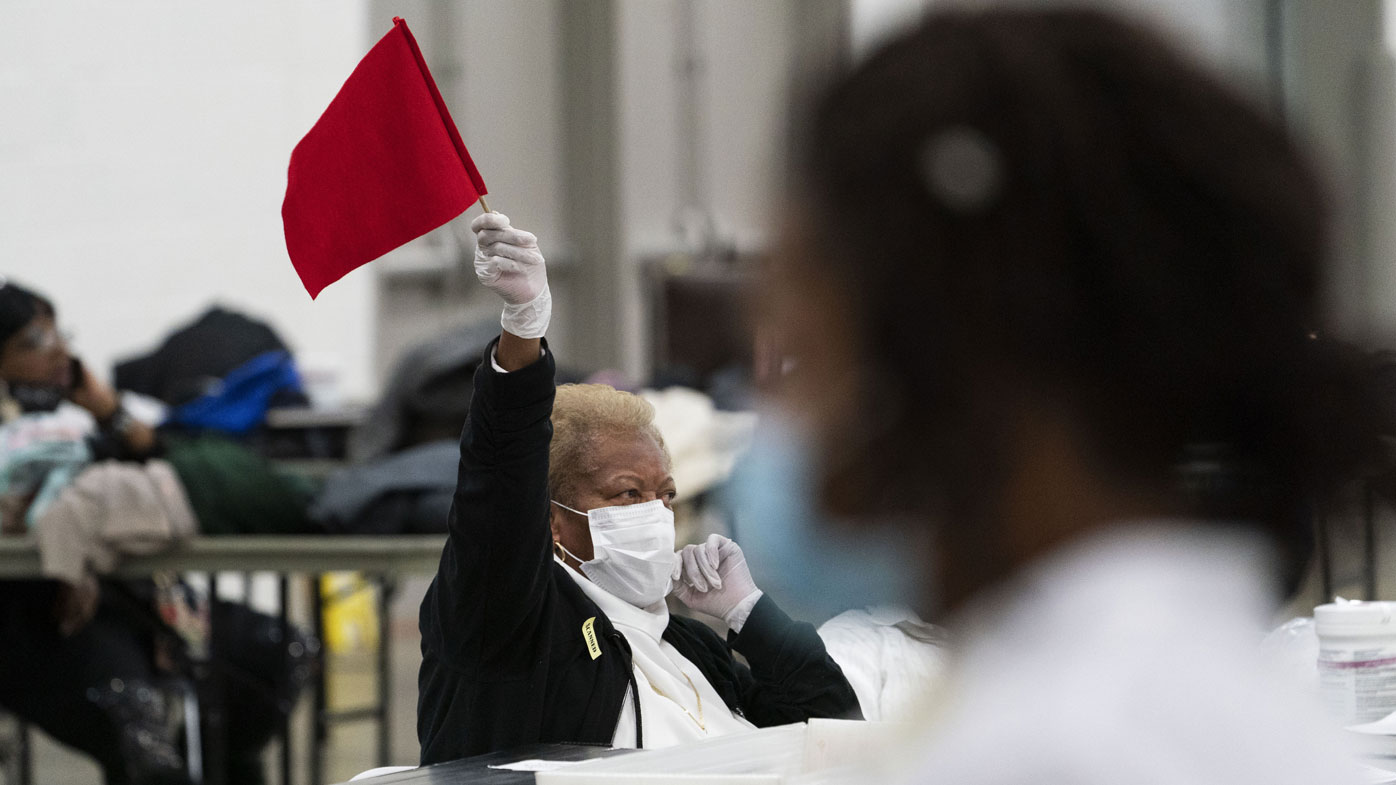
572	600
1102	715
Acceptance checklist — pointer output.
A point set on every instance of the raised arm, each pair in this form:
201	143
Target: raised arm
508	262
492	585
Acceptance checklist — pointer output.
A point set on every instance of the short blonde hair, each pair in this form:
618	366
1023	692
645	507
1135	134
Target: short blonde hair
584	415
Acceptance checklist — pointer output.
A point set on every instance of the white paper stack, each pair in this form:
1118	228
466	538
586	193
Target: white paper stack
1371	775
820	752
1377	739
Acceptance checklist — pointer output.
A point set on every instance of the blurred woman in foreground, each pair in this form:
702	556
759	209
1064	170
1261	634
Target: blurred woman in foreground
1048	280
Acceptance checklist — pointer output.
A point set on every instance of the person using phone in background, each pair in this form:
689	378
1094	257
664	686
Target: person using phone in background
43	442
38	374
94	667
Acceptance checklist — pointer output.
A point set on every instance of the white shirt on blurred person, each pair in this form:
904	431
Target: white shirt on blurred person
1130	657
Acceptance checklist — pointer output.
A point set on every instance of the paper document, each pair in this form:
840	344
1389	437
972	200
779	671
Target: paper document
1371	775
1376	739
534	764
1386	726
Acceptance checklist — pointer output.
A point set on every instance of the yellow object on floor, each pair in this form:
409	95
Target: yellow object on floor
350	607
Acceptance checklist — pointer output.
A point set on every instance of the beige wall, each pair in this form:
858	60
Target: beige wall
143	158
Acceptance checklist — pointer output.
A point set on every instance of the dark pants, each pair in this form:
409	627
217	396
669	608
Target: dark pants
100	692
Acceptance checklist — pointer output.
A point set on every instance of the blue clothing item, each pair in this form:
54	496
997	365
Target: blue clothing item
238	403
817	567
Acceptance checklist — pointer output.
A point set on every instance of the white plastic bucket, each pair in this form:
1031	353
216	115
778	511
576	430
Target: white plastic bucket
1357	659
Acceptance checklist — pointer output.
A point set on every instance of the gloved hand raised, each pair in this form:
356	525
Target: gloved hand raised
508	263
713	577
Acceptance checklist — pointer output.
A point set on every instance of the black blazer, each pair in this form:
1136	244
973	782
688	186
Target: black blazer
505	660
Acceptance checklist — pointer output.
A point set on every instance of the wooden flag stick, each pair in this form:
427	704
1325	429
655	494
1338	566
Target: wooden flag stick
485	205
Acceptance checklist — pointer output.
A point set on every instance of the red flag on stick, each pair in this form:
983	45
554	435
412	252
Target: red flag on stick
383	165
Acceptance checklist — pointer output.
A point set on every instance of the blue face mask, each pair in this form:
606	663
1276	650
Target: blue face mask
811	566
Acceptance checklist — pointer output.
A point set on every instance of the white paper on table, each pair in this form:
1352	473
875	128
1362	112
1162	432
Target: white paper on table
535	764
1386	726
1371	775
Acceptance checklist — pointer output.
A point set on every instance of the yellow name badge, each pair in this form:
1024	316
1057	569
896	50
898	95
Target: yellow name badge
589	632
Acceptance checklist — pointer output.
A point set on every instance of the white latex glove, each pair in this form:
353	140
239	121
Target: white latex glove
713	577
508	263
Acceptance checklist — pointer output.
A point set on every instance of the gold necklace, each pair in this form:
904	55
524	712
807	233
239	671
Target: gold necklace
699	719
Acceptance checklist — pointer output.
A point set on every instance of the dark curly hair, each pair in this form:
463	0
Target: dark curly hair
1062	199
18	307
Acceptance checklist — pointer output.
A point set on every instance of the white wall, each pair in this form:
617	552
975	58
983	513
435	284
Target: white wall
143	153
501	70
1340	95
143	158
496	63
744	57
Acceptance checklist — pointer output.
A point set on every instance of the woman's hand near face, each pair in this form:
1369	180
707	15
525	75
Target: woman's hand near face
98	397
93	394
713	577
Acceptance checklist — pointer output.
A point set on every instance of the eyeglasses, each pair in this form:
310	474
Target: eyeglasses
39	338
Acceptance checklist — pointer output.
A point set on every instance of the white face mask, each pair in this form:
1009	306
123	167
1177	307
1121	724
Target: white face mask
633	547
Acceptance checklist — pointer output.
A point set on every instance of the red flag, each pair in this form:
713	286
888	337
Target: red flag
384	164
